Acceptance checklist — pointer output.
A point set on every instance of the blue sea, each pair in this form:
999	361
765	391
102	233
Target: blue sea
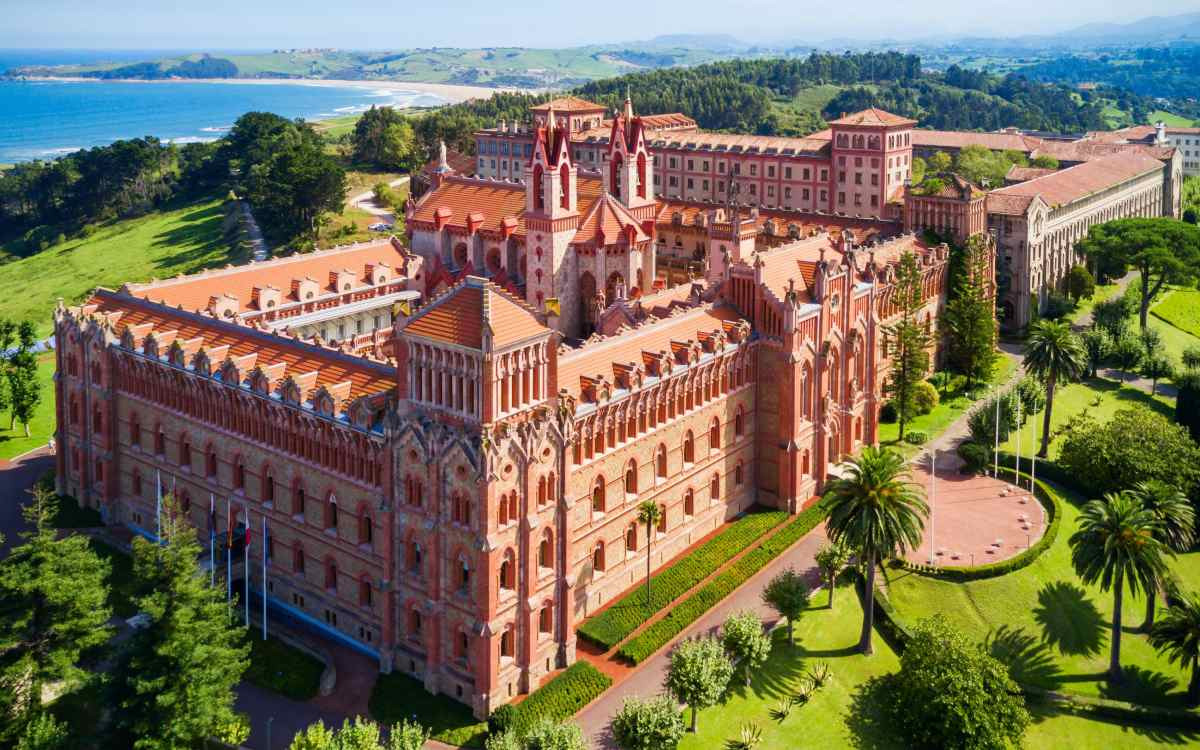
45	119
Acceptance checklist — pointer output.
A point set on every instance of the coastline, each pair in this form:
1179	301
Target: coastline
452	93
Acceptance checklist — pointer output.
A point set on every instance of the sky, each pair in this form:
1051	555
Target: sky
267	24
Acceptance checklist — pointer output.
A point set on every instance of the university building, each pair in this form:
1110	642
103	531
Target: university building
449	434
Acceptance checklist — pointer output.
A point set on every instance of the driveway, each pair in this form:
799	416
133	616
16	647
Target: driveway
16	477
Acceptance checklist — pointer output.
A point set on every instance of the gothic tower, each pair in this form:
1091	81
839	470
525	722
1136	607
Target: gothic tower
629	175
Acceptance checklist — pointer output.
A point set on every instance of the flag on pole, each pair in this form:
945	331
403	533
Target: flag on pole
264	579
246	566
228	551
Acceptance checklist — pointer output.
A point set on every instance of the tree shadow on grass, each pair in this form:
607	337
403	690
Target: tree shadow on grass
867	720
1163	735
780	676
1070	621
1028	659
1140	685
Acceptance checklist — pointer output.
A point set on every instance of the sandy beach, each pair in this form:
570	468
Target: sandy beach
452	93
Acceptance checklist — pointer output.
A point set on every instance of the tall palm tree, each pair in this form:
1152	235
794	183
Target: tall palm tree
1176	527
1178	634
1116	545
877	511
650	514
1053	353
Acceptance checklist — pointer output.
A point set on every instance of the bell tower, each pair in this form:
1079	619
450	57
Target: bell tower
630	173
551	177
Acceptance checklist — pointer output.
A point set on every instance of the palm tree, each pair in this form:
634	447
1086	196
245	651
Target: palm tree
876	510
1053	353
1178	634
1116	545
1176	527
650	514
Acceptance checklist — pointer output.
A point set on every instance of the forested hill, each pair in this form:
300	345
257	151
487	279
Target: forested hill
798	96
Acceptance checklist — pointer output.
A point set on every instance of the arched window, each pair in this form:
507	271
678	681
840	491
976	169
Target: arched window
331	513
414	491
508	574
414	557
546	551
507	642
269	489
541	491
565	183
512	506
74	409
737	474
464	575
598	495
298	559
739	423
160	442
331	575
689	453
539	201
97	420
414	623
210	462
631	487
135	431
662	519
546	618
503	519
365	596
631	538
598	556
185	453
298	500
714	487
689	503
660	462
462	646
185	503
714	435
239	475
551	488
460	509
366	529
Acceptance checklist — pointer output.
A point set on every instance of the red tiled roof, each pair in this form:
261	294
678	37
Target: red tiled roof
460	163
597	358
365	377
1069	185
460	315
794	265
1021	174
1132	133
1008	205
1086	150
738	143
668	121
606	221
873	116
195	291
805	221
568	104
493	199
962	139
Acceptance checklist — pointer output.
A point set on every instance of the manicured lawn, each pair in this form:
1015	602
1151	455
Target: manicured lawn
953	403
335	127
1067	730
161	244
1053	630
283	669
829	719
13	442
397	696
1180	308
1100	398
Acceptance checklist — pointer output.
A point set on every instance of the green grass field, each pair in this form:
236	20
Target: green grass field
13	442
1171	119
950	408
1180	308
1098	397
161	245
1052	629
1084	308
336	127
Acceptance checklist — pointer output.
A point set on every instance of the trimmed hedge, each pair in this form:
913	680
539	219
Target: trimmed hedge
614	624
1053	505
653	638
560	698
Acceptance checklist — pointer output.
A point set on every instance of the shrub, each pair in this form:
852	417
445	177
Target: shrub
1057	306
501	719
887	413
686	612
648	724
1080	283
925	397
1113	315
614	624
1032	394
916	437
982	421
561	697
976	457
1134	446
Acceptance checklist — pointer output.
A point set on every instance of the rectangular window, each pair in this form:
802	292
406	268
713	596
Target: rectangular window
690	183
841	199
753	170
721	167
770	171
674	181
804	194
671	162
787	173
804	175
705	186
770	191
691	165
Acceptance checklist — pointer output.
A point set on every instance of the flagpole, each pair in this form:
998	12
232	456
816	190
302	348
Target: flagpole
1017	465
212	540
158	505
246	566
996	452
1033	461
264	578
228	552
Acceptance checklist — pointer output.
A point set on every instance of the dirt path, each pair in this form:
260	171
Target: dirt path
366	202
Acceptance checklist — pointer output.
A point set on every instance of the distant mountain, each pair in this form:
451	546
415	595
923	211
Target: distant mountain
708	42
1154	29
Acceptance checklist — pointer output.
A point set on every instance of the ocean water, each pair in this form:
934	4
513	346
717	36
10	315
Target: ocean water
45	119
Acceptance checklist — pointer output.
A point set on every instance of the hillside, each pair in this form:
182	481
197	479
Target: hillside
161	244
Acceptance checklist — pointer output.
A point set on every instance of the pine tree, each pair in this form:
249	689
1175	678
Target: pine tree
53	611
24	389
910	342
971	317
174	684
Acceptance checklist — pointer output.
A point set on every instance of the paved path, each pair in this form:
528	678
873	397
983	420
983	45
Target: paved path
258	245
947	442
366	202
16	477
647	679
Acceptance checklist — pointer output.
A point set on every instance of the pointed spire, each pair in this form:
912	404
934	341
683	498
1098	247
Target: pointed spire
628	106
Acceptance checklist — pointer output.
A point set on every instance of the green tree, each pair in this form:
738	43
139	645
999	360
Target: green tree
1127	353
1080	283
919	167
551	735
53	612
982	166
698	674
1102	457
360	734
175	678
744	640
1112	315
45	733
970	316
951	693
649	514
648	724
1162	251
1044	161
384	138
1096	346
787	593
875	510
1191	358
909	342
1053	352
1157	367
830	559
1176	527
1116	546
939	162
1178	635
1187	402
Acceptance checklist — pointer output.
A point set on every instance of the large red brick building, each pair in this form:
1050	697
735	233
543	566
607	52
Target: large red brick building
449	436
